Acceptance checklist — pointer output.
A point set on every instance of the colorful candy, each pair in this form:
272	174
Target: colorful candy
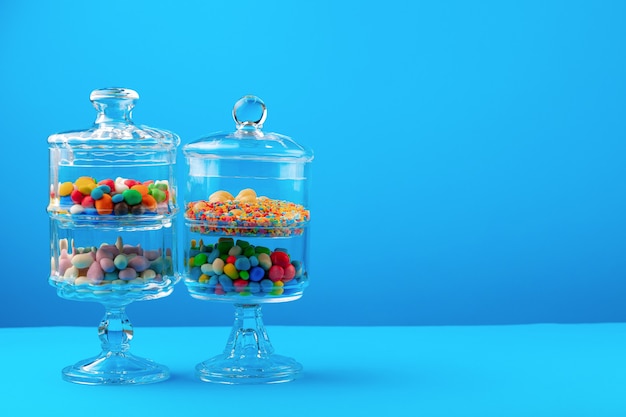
246	215
116	264
119	197
260	273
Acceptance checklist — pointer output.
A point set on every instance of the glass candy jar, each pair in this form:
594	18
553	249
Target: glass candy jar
246	232
112	216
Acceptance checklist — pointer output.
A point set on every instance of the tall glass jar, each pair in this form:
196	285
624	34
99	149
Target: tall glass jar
112	216
246	236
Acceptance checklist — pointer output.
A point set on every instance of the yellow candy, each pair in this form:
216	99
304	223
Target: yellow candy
86	189
82	181
231	271
247	192
66	189
220	196
203	278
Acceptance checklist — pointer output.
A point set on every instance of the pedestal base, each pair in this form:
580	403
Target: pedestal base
249	355
246	370
115	368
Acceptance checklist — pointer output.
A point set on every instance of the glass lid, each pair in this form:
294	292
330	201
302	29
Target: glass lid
248	141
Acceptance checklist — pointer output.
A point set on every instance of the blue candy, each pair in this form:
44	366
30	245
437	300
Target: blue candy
213	256
242	263
97	193
267	285
254	261
117	198
227	283
254	287
195	273
257	273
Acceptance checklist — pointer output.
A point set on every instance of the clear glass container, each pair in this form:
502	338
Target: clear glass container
246	237
112	216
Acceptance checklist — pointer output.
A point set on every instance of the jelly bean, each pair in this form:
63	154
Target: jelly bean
104	205
117	198
224	246
120	261
207	269
120	209
120	187
244	275
83	260
248	251
235	251
107	265
77	196
256	273
200	259
158	195
213	256
262	249
66	189
132	197
219	289
88	202
87	189
226	283
109	183
278	288
95	273
231	271
97	193
242	263
148	274
82	181
82	281
276	273
127	274
130	183
142	189
240	285
254	261
218	266
224	257
77	209
64	264
231	259
220	196
280	259
149	202
111	249
203	279
213	281
290	273
158	265
266	285
264	261
254	287
137	210
139	263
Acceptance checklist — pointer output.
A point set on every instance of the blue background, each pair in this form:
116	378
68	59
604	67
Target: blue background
469	155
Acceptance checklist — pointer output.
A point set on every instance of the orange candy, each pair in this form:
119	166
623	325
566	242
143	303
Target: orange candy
104	205
149	202
143	189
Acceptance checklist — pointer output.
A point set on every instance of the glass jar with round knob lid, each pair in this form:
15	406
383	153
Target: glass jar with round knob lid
112	212
246	236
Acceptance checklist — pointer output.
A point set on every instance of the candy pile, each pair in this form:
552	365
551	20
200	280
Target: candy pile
117	264
107	197
247	215
239	268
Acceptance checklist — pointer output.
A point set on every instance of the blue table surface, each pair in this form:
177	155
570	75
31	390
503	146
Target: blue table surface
521	370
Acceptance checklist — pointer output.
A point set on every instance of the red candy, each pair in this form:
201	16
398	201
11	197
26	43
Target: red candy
290	272
276	273
87	202
231	260
219	290
240	284
280	259
77	197
131	183
108	182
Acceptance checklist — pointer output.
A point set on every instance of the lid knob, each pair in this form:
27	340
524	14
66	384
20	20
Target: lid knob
249	113
114	104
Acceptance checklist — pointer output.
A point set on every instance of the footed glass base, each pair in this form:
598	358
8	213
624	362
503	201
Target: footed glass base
248	370
249	356
115	368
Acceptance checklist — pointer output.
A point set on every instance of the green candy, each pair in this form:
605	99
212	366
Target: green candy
132	197
158	195
248	251
244	275
262	249
200	259
225	245
242	244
